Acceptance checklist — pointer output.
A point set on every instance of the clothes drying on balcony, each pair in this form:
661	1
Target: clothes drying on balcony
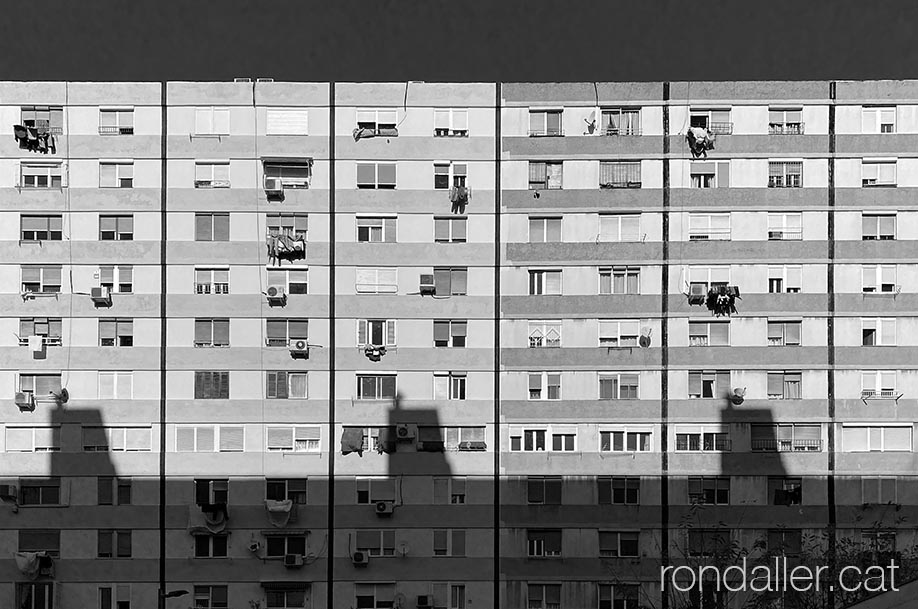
34	140
700	140
365	133
207	518
721	300
33	564
279	512
385	442
283	246
352	441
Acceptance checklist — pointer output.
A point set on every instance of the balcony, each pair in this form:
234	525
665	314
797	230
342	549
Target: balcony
112	130
211	183
785	234
783	446
715	445
709	234
720	128
785	128
880	394
610	130
546	133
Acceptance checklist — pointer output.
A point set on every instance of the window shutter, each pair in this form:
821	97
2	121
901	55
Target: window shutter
284	121
231	438
386	173
535	382
807	432
280	437
722	381
897	438
221	331
366	173
441	282
695	383
458	540
389	230
137	438
18	439
723	175
441	119
459	328
390	332
299	328
441	330
205	439
202	331
184	439
441	229
276	329
282	390
459	281
362	332
459	229
307	433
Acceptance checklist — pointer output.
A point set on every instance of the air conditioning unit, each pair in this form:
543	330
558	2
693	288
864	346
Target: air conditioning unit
25	401
385	508
425	601
8	491
299	347
276	295
101	296
406	431
697	294
293	561
360	558
274	186
427	285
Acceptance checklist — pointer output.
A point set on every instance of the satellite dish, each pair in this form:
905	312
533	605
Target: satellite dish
403	549
592	118
738	396
644	340
64	395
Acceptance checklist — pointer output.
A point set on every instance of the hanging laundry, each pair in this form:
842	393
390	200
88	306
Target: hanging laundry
352	441
279	512
700	140
386	440
285	247
30	563
35	140
36	343
363	133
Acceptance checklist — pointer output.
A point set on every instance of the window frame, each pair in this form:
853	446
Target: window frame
452	124
629	273
122	174
53	229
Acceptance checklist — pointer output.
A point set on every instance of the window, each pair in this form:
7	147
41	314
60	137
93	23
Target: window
283	385
374	596
118	279
879	278
785	227
786	437
278	546
706	227
296	281
543	490
113	491
211	546
545	123
450	332
621	121
280	489
618	333
879	490
624	441
49	328
44	118
450	175
708	383
40	540
114	544
449	542
212	175
36	595
210	597
287	121
115	597
881	544
116	175
38	491
211	385
878	173
545	282
372	490
544	230
117	439
785	174
283	597
380	332
211	490
377	120
293	439
564	438
878	331
450	386
623	386
619	490
116	121
717	121
544	385
294	225
116	332
543	543
709	174
709	333
619	596
785	279
375	387
527	440
620	280
451	281
878	384
41	228
33	439
376	176
785	542
620	227
785	121
116	385
702	439
785	490
544	334
709	490
784	333
449	491
41	279
39	385
618	543
451	123
784	385
456	438
211	332
709	277
543	596
376	230
41	175
209	438
707	542
878	227
377	281
450	230
211	120
116	228
280	332
878	119
212	227
619	174
211	281
545	175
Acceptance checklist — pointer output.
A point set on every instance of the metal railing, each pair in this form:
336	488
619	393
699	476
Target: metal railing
881	394
546	132
785	129
709	234
621	131
720	128
785	234
776	445
211	183
114	130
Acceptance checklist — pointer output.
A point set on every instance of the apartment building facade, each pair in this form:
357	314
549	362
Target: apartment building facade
447	345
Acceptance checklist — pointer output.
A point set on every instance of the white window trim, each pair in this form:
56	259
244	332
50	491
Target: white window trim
709	233
299	110
786	287
700	430
877	287
628	429
882	448
619	235
876	162
779	226
212	111
216	438
612	329
544	227
550	431
381	218
33	429
875	388
878	324
450	377
715	181
610	270
618	376
544	328
376	112
121	431
294	431
707	332
376	288
544	277
376	183
544	387
116	375
212	182
877	112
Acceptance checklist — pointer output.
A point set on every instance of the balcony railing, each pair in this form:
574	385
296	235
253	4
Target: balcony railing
546	132
785	234
879	394
716	445
775	445
785	129
43	126
720	128
110	130
621	131
211	183
699	341
709	234
49	341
